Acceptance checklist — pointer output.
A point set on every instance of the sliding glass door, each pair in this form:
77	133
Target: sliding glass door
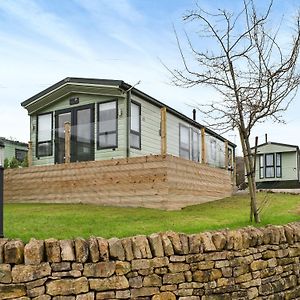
82	133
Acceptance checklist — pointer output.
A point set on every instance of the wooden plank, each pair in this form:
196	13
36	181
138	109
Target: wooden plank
67	127
29	154
153	181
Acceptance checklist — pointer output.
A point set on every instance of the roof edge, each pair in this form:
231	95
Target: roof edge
278	144
70	80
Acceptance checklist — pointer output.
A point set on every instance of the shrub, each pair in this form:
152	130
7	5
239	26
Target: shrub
24	163
14	163
6	163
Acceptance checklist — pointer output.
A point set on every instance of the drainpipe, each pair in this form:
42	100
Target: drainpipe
128	108
1	201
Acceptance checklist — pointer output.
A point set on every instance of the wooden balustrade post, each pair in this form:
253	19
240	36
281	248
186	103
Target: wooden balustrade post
163	130
29	154
67	127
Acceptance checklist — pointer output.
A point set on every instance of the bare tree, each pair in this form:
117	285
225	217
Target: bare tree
256	77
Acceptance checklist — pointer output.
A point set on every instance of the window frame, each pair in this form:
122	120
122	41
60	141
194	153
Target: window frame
195	131
261	166
46	141
278	166
21	150
189	143
269	166
136	133
213	154
107	132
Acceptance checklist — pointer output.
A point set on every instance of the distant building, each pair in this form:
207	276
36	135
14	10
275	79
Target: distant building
277	166
10	148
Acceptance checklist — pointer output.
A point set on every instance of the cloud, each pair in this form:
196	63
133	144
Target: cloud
50	28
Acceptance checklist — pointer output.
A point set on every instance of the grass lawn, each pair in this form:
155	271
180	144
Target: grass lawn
68	221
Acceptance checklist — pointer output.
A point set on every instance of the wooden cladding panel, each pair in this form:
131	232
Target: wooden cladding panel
164	182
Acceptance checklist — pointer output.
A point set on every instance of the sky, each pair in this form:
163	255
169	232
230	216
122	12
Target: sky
42	42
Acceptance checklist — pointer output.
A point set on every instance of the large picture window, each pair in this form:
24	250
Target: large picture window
44	135
184	142
195	146
108	125
278	165
135	126
269	168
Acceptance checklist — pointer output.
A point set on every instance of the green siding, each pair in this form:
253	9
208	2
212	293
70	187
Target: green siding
47	160
1	156
150	129
10	149
289	162
121	150
173	125
173	133
63	103
289	166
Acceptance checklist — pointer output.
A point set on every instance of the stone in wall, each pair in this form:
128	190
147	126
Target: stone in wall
14	252
34	252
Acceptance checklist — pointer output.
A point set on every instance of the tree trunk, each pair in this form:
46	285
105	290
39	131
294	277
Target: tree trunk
249	164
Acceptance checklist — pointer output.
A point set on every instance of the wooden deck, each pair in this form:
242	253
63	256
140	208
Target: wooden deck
156	181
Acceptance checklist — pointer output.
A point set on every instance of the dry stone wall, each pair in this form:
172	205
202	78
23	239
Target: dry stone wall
249	263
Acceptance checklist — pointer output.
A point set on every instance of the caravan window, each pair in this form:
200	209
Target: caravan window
107	125
269	162
44	135
278	165
195	146
135	127
184	141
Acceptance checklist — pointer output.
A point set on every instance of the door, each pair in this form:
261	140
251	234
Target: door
82	133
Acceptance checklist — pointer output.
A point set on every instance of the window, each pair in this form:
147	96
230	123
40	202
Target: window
213	150
261	166
269	161
20	154
135	126
184	141
108	125
195	146
44	135
278	165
